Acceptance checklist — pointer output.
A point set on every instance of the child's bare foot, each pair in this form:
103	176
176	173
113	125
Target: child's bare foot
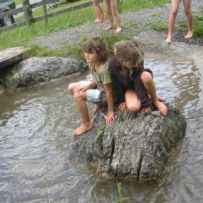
98	20
108	28
168	40
162	107
147	110
118	29
189	35
82	129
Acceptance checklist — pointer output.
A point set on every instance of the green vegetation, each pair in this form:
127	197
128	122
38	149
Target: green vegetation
160	26
40	11
23	35
75	51
120	198
101	129
18	2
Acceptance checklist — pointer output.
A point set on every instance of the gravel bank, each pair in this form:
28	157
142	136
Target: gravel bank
142	18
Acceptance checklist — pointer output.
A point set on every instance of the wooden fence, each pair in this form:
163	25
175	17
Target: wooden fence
27	9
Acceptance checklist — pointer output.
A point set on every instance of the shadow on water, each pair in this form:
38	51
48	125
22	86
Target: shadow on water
36	132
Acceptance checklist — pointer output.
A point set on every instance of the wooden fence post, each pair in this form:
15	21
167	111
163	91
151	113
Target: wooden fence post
27	12
45	11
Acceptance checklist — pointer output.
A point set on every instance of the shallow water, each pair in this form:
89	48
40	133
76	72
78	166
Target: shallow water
36	127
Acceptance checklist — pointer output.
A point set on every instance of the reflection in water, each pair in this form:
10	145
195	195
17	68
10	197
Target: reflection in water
36	132
186	77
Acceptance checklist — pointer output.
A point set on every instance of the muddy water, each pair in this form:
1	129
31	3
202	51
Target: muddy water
36	132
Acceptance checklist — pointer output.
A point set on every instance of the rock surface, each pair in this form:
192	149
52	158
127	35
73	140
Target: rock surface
40	69
135	145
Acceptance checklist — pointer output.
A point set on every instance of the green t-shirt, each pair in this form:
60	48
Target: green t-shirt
101	75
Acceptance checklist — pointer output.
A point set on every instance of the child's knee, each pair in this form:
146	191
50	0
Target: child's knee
187	11
134	107
174	13
146	77
70	88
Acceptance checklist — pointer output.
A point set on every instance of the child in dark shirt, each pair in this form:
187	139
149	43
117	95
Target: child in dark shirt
134	85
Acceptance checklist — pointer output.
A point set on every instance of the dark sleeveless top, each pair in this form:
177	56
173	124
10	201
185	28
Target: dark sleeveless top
128	78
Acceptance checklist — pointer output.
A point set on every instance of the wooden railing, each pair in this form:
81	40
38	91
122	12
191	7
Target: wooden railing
27	9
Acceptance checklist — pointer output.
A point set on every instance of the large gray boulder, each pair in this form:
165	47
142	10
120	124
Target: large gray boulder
40	69
135	145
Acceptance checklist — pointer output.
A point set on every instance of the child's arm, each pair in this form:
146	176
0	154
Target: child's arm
92	84
109	97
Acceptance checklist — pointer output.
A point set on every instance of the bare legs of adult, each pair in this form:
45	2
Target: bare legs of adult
188	13
98	11
172	18
112	11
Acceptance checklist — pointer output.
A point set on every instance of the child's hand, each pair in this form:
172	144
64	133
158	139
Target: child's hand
122	106
80	89
109	118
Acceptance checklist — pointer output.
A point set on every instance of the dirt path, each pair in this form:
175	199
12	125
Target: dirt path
133	23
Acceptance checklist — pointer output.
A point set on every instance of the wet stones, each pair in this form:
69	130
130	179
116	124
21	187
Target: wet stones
40	69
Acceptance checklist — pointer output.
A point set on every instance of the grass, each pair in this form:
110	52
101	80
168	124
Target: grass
40	11
74	51
17	2
23	35
160	26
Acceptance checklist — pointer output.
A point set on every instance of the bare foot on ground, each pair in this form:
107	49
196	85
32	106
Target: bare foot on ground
108	28
98	20
189	35
168	40
82	129
118	29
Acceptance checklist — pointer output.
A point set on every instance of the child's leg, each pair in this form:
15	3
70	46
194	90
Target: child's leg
98	11
108	7
80	99
95	109
114	11
188	13
148	82
172	17
132	102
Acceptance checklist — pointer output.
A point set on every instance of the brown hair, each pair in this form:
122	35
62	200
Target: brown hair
96	44
128	51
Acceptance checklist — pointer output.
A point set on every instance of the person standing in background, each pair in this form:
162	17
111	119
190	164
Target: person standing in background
172	17
112	11
98	11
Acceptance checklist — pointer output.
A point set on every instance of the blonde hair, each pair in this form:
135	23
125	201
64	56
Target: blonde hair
128	51
96	44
